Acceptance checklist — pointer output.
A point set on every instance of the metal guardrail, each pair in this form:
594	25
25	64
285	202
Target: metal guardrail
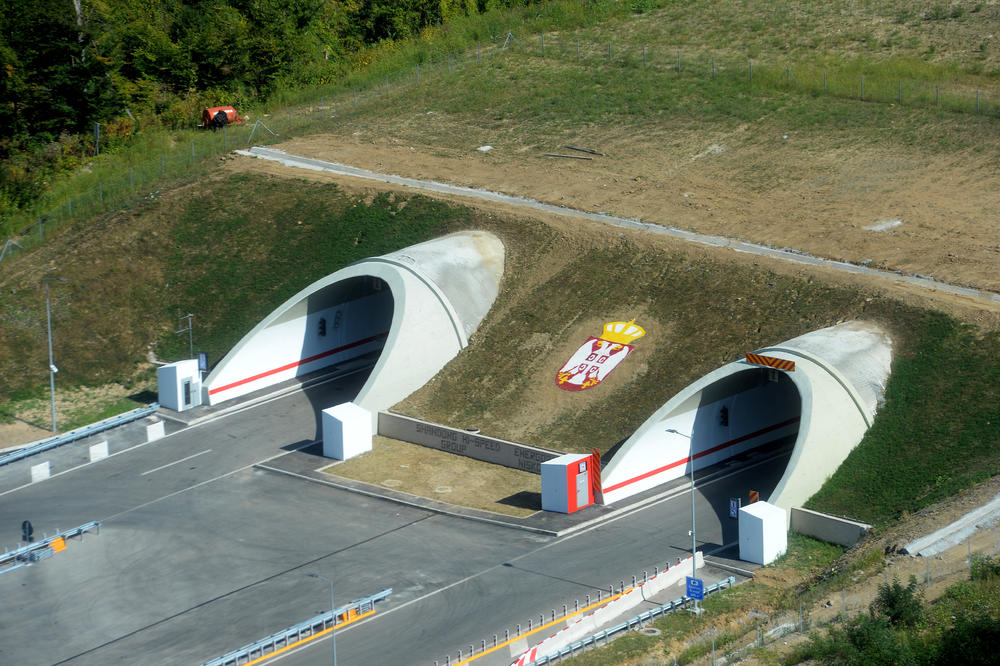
627	625
314	625
79	433
39	550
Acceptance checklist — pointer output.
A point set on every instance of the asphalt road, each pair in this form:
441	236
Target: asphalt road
200	552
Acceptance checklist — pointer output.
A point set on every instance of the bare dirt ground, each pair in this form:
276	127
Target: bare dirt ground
888	206
445	477
917	215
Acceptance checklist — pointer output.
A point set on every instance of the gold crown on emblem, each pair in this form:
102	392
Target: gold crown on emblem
622	332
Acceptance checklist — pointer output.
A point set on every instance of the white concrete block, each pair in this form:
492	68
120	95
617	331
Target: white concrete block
763	533
99	451
40	472
347	431
179	385
155	431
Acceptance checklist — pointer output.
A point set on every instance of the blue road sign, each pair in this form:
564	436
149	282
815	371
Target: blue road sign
734	507
695	588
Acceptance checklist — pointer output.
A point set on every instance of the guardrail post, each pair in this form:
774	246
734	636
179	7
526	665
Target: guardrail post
506	635
494	640
459	657
553	616
633	582
529	624
472	651
576	605
643	576
564	610
518	628
447	660
484	645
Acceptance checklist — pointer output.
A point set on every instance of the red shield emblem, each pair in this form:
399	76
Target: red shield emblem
597	357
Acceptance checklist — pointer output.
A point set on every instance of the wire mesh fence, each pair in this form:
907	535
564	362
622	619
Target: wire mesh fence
116	184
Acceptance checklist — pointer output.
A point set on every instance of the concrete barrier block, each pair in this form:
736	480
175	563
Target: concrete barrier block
155	431
347	431
99	451
40	472
841	531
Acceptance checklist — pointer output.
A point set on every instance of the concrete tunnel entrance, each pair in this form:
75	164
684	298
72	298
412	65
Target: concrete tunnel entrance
407	313
823	401
346	321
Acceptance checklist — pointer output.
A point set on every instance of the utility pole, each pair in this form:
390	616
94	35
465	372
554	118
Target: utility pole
52	366
190	331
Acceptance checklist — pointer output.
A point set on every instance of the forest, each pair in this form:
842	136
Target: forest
129	64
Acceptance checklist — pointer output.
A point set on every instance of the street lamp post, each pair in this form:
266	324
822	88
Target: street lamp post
52	366
333	608
694	564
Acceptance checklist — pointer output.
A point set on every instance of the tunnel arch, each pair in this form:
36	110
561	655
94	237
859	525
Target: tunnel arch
825	405
409	312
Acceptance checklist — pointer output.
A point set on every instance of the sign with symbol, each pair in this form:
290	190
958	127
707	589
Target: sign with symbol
597	357
695	588
754	496
734	507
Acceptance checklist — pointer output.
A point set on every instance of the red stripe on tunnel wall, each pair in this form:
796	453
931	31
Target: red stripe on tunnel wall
701	454
295	364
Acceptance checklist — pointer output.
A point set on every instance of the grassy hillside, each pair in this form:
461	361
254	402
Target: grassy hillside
228	251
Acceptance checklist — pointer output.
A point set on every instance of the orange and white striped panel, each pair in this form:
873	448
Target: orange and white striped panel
771	362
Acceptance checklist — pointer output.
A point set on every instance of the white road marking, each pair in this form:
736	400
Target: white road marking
176	462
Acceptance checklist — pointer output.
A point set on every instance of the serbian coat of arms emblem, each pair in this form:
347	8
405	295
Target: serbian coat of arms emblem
597	357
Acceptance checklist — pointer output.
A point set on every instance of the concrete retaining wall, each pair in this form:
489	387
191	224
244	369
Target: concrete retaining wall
464	443
841	531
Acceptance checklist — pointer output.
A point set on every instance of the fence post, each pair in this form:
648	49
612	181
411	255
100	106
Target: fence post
97	138
610	53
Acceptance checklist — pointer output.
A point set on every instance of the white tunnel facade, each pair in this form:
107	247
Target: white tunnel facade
409	312
825	405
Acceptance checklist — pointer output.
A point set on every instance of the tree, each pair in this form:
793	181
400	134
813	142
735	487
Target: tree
901	606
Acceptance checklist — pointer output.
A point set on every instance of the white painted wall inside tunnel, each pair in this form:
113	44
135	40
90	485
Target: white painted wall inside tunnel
288	348
756	416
